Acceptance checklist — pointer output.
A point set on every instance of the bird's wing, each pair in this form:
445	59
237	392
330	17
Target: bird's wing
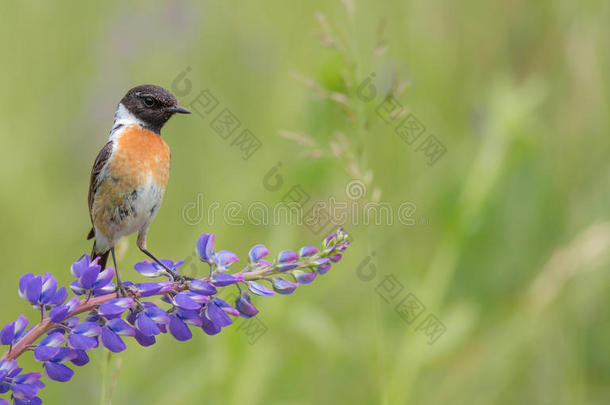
98	166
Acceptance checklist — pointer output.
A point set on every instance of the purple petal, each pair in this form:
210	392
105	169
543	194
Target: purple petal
190	317
208	326
244	305
221	280
20	324
120	327
307	251
78	267
82	342
304	277
286	266
284	287
335	258
217	315
58	372
81	358
87	279
23	284
108	310
77	288
53	340
260	289
287	256
146	326
202	287
257	252
205	247
330	239
225	258
7	334
112	341
49	287
59	297
33	289
149	289
323	268
145	340
44	353
90	329
149	269
226	307
186	302
179	329
157	314
104	277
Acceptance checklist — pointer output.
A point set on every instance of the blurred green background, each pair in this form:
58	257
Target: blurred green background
509	245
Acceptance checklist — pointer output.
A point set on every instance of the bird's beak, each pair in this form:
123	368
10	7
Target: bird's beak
179	110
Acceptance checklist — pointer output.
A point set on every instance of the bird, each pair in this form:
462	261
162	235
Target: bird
130	173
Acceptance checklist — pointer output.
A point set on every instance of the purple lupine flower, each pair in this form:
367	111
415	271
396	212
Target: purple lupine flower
244	305
11	333
330	240
284	287
192	303
112	332
222	280
115	307
58	313
214	318
84	336
257	253
201	287
224	259
179	329
49	346
148	322
55	369
307	251
91	279
304	277
287	260
205	247
41	291
25	386
149	289
149	268
260	289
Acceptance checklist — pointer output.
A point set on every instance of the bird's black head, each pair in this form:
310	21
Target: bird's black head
152	105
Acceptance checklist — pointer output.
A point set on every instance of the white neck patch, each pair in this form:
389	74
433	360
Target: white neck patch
122	119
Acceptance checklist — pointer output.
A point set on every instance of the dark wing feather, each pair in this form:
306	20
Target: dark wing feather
98	165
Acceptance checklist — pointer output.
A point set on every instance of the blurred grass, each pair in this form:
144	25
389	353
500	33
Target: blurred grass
511	260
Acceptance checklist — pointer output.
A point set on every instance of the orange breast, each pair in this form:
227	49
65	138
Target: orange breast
140	153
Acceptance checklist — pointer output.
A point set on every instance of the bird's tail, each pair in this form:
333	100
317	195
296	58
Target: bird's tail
103	257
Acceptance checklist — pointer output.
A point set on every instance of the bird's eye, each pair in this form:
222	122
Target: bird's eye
149	101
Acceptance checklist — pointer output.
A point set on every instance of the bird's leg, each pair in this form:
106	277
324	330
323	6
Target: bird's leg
142	245
120	288
173	274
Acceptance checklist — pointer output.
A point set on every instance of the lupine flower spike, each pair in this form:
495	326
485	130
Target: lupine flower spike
69	328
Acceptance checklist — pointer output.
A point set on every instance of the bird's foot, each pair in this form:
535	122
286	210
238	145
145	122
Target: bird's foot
123	291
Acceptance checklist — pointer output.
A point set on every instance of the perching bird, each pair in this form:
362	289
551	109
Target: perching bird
130	173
